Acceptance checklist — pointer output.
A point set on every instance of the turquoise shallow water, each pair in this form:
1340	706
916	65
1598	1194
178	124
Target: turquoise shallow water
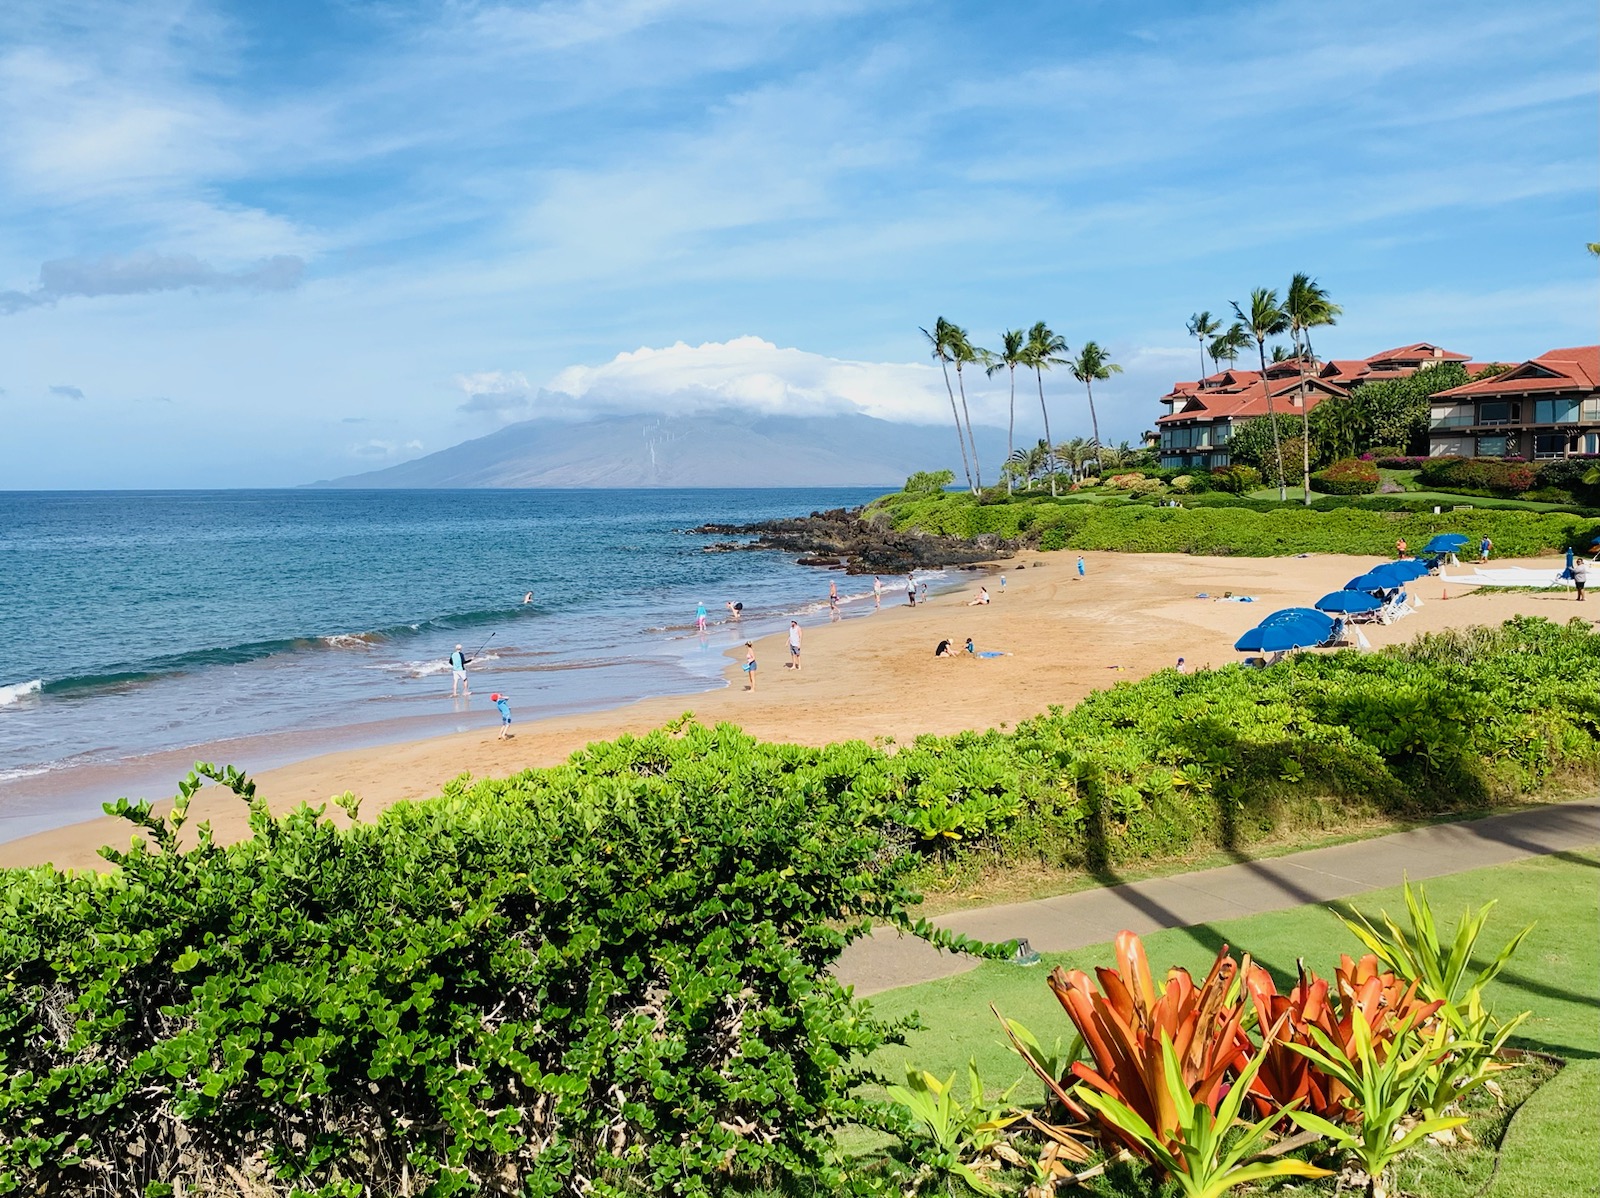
137	625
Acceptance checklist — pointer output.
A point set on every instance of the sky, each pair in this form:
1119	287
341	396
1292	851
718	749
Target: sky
247	244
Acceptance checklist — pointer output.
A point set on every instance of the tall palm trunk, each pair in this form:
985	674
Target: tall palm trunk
1050	463
1094	421
1011	426
1305	421
957	416
1277	446
977	470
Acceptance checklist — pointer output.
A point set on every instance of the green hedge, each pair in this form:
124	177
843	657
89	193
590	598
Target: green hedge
1351	476
612	977
1220	524
1489	476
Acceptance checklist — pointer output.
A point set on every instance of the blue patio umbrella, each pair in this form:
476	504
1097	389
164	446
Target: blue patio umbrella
1310	615
1445	542
1386	577
1408	569
1279	638
1348	602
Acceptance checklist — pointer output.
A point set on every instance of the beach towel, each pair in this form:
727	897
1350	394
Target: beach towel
992	653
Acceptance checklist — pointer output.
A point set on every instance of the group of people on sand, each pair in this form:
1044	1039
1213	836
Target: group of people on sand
461	686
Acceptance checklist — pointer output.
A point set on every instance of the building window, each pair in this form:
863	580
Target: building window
1591	410
1224	431
1451	416
1500	412
1450	447
1591	443
1549	445
1493	447
1555	411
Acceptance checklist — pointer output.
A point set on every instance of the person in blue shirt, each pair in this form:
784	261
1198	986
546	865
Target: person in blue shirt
1080	565
504	704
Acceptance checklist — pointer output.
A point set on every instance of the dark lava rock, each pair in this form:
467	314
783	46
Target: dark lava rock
864	546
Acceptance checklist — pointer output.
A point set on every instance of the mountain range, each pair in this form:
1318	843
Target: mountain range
721	449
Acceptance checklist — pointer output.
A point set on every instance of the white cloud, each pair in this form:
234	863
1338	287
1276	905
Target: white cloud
753	374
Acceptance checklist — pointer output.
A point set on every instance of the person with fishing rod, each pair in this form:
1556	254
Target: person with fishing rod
458	668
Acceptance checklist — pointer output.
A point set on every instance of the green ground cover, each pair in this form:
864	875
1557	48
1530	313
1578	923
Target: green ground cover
1218	525
1555	974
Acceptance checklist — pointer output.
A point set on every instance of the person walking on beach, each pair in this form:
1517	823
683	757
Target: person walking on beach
877	592
794	644
922	589
458	673
700	616
833	600
1080	565
911	589
504	704
1580	576
750	665
1400	548
1484	546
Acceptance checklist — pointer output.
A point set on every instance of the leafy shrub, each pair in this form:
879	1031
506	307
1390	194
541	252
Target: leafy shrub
1349	477
608	977
1483	476
1235	479
1388	462
929	482
1569	474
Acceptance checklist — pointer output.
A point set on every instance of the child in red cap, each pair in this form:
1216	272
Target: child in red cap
504	704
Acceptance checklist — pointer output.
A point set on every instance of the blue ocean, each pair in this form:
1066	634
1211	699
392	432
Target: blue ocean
137	629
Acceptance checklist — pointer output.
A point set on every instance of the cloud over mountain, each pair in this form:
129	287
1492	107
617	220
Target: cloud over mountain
749	374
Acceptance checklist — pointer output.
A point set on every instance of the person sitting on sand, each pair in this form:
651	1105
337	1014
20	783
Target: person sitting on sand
972	650
983	598
943	650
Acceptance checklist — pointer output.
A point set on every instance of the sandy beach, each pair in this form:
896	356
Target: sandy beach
877	676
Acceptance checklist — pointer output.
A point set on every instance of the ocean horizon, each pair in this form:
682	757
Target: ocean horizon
143	630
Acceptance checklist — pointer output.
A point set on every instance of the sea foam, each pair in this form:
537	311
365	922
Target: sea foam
18	691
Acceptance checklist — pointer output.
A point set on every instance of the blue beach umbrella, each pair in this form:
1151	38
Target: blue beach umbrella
1279	638
1445	542
1348	602
1381	578
1309	615
1408	569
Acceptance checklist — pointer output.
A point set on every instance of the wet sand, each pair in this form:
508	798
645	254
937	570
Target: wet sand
877	677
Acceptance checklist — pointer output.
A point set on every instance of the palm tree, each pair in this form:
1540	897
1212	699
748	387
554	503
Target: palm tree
1279	354
1013	353
939	339
1307	306
1093	363
1230	344
963	353
1202	325
1266	319
1076	453
1044	350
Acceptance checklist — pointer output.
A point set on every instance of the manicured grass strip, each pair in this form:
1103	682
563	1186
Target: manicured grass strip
1556	975
1551	1149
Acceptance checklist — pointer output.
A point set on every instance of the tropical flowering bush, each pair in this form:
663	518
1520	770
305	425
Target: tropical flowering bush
1349	477
1370	1065
1400	463
1489	476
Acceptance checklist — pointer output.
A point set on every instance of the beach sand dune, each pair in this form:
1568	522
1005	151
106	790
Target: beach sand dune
877	677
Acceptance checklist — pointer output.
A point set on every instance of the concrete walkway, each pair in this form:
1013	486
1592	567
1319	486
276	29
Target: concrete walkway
886	959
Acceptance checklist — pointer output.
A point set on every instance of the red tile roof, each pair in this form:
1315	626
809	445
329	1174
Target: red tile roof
1419	351
1554	371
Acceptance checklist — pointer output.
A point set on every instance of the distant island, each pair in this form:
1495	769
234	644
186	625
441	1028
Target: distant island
724	449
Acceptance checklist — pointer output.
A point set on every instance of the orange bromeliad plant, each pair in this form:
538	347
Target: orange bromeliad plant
1122	1024
1386	1004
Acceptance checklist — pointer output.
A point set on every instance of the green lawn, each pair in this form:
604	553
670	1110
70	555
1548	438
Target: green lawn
1556	975
1444	499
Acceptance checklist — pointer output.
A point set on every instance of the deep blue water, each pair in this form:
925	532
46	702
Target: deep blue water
134	624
